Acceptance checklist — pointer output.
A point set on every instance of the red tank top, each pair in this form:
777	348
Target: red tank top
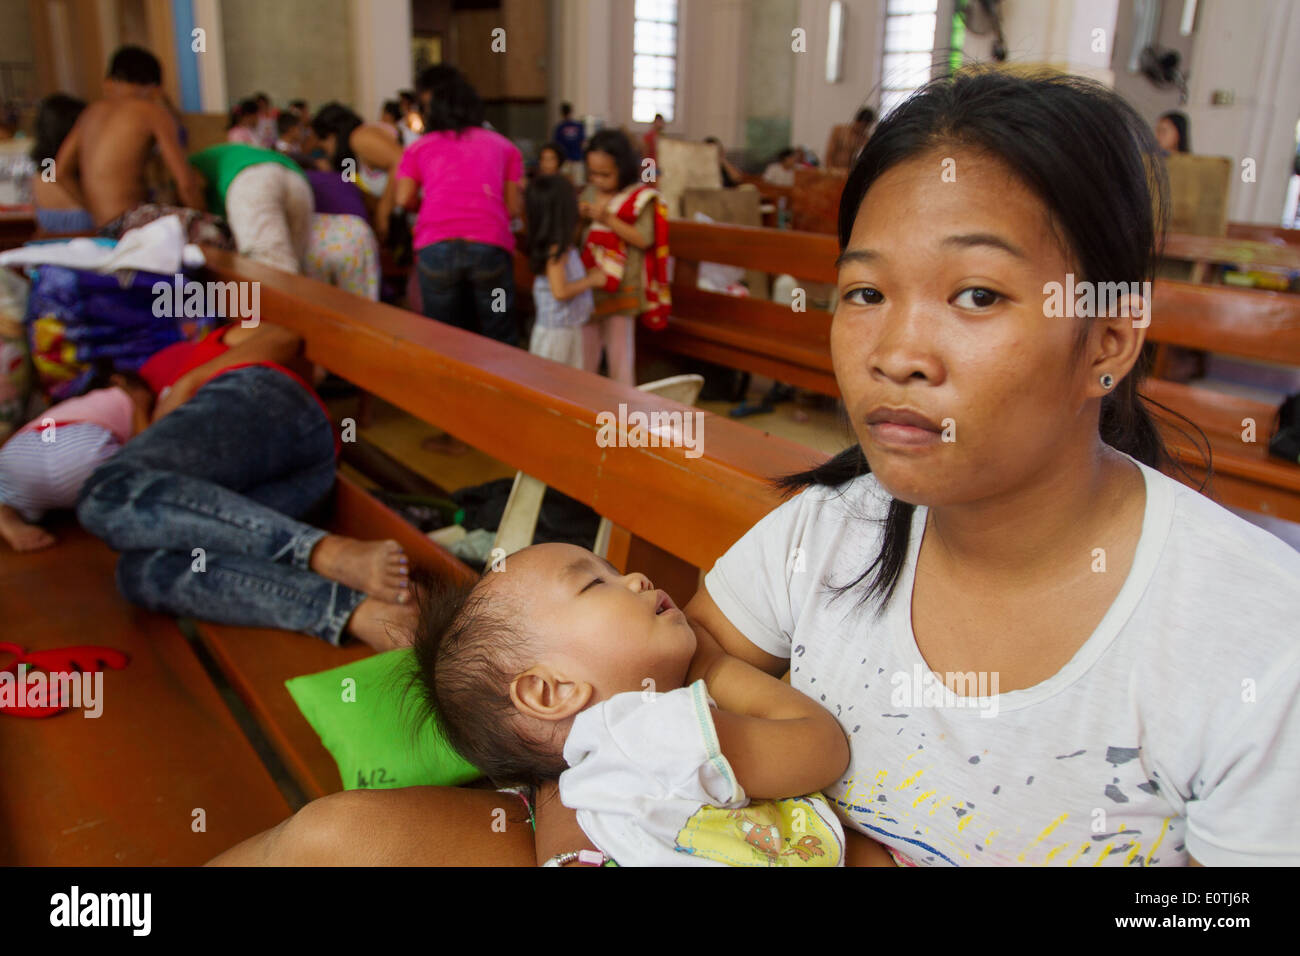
167	365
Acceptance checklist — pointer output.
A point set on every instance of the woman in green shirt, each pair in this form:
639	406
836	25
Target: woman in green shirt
264	196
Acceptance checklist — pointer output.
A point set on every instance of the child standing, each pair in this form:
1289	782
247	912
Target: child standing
562	289
45	463
628	241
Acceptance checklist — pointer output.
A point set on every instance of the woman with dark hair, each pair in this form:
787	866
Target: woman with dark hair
465	181
1172	132
1042	650
57	211
365	153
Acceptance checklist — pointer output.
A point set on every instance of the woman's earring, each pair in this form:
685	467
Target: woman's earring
1107	380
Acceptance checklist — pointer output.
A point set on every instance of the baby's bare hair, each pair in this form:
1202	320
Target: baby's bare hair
468	648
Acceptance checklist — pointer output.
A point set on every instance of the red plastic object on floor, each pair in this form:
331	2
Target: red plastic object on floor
84	659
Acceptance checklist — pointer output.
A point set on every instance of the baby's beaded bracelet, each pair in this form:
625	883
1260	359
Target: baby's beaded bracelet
583	857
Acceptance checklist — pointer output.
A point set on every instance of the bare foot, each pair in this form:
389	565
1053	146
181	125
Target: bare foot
382	625
21	535
445	444
379	568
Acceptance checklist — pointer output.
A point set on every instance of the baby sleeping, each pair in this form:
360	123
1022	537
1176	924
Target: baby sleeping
561	667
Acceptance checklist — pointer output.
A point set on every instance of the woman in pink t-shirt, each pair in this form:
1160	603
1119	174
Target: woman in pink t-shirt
469	178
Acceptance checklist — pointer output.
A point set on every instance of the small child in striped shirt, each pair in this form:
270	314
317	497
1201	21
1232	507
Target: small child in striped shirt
44	464
562	287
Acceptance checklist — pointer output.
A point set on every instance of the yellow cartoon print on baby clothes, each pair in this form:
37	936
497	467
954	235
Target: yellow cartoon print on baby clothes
790	832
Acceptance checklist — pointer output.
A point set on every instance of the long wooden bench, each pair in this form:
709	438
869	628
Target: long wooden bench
17	226
753	335
1209	253
680	513
165	756
1261	232
1263	326
177	736
793	347
256	661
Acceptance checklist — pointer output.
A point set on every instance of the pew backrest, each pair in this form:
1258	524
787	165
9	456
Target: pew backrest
573	430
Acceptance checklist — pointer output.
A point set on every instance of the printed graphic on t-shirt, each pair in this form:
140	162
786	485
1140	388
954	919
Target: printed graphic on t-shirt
790	832
1128	824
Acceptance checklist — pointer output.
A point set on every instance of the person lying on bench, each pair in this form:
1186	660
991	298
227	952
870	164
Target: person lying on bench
44	464
203	504
561	667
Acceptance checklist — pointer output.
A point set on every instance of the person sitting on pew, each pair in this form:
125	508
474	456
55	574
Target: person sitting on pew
564	669
204	505
1142	638
44	464
780	171
57	211
102	162
562	289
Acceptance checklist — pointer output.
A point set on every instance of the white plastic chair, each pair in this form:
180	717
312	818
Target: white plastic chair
519	520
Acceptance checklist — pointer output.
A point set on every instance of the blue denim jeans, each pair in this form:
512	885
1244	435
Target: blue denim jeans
459	283
229	472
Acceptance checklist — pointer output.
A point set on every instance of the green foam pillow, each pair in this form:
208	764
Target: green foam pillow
363	715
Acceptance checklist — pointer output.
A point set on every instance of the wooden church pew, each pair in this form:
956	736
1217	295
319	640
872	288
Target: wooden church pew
1207	253
257	661
753	335
1245	324
793	347
163	776
17	226
1261	232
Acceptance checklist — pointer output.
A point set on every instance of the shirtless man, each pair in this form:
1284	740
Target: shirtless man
103	159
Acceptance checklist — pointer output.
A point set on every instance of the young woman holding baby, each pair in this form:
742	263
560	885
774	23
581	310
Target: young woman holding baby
1002	513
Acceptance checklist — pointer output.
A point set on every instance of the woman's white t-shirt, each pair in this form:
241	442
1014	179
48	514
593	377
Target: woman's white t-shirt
1173	731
